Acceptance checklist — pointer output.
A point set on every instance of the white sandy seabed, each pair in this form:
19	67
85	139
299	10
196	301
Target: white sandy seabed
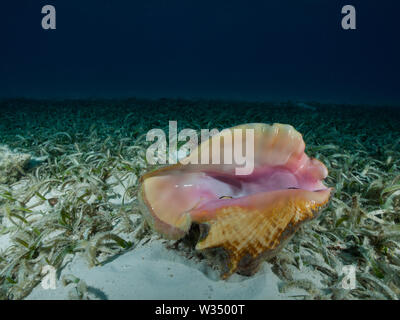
153	271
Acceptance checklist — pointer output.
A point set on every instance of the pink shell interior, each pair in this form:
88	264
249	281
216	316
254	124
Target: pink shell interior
173	195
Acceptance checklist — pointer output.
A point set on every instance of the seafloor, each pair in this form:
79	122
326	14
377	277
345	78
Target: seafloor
68	178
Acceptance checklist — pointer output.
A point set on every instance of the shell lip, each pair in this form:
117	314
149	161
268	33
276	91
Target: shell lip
167	230
318	197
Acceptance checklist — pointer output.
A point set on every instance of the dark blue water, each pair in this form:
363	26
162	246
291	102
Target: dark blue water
249	50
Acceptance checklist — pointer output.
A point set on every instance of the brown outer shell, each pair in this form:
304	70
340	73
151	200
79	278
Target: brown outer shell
249	234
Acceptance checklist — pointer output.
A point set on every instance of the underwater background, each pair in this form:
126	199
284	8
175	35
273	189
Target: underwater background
76	104
262	50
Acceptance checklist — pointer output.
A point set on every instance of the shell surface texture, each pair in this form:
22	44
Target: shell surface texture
243	219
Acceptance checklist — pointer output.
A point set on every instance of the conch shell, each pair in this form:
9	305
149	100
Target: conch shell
242	218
